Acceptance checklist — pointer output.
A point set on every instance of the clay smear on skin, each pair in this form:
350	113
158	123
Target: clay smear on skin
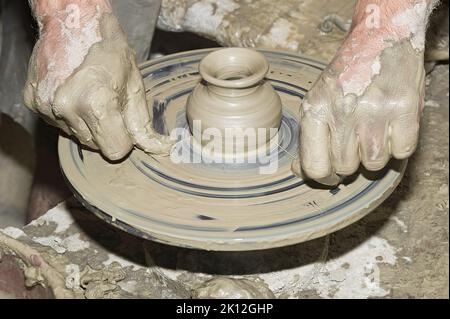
359	55
67	47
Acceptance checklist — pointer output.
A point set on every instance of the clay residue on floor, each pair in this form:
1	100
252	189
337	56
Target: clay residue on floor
93	259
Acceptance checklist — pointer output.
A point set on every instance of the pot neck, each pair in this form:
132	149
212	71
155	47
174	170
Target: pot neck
232	92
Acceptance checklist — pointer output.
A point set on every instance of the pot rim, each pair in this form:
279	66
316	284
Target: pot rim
257	66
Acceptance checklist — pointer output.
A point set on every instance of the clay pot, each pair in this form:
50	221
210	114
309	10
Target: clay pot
234	95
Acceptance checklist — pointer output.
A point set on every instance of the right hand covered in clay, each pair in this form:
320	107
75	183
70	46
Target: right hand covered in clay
365	108
83	79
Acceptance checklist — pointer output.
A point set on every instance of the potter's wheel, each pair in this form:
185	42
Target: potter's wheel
220	206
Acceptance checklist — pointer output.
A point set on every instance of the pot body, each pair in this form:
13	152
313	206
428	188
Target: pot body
234	102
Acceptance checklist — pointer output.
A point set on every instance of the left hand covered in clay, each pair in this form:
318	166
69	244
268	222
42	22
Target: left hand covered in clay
83	78
365	107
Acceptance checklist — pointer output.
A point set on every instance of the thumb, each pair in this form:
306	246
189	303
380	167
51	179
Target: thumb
138	119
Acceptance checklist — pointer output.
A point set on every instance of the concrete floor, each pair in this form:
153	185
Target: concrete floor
414	220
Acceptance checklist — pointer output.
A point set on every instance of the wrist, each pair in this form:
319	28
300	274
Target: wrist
392	21
69	14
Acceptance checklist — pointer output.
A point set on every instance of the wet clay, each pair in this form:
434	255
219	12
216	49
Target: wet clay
363	109
219	206
235	98
100	100
382	122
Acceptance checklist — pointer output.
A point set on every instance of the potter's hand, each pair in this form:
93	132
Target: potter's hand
366	105
83	78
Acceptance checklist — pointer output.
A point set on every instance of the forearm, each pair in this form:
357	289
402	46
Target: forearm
72	13
394	20
68	29
378	25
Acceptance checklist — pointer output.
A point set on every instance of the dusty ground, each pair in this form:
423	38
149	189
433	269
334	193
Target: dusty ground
417	213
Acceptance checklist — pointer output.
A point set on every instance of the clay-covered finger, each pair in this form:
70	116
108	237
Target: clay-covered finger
374	145
30	87
61	124
46	114
102	116
344	150
329	180
404	135
296	167
314	148
64	116
74	125
28	96
50	119
110	134
138	119
78	128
